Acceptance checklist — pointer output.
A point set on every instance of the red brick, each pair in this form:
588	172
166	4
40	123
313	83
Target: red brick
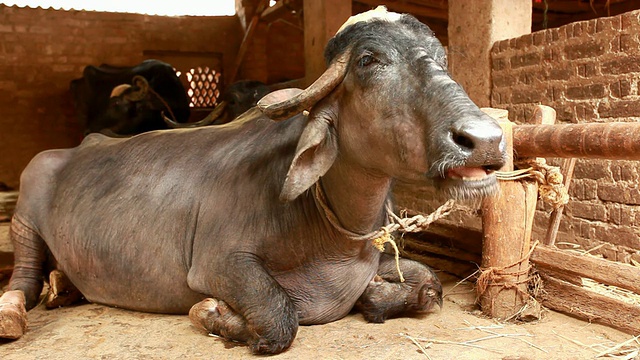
621	214
629	43
620	88
619	109
585	92
528	59
625	171
588	211
586	49
608	24
593	169
631	21
621	65
619	192
619	235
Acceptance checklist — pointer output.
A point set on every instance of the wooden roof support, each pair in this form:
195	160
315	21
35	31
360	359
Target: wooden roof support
246	41
322	19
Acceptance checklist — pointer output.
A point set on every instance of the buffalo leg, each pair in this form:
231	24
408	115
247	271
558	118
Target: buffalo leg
386	296
216	317
26	281
61	291
254	309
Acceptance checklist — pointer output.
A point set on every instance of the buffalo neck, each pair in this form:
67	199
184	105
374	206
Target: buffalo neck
356	196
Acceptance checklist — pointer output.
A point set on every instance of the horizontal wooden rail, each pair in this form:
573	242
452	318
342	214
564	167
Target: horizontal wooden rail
601	270
563	296
615	141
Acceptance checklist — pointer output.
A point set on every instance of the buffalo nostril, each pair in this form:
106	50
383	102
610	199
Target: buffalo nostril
463	140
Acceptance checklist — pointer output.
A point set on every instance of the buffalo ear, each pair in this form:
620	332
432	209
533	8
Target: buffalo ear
316	152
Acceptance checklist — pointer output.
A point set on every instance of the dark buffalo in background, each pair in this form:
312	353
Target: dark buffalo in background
134	107
236	99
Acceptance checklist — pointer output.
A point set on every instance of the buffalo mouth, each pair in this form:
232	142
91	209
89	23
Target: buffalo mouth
469	182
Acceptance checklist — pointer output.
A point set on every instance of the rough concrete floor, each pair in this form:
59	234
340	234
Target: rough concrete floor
92	331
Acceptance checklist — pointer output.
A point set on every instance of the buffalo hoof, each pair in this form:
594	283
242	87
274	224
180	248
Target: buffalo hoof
61	291
216	317
13	315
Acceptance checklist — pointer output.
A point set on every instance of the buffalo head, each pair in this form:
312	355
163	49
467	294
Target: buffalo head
391	95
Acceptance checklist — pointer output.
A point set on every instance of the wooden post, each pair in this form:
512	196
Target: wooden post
507	220
507	223
246	41
322	19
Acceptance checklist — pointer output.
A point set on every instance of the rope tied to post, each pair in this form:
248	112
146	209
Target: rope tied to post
499	276
551	182
384	235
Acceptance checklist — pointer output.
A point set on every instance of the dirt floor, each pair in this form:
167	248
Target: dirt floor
458	331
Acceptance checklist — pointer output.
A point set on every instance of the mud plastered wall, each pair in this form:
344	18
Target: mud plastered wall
588	71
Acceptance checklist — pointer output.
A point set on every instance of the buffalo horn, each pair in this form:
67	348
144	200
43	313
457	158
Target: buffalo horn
271	105
118	90
208	120
142	84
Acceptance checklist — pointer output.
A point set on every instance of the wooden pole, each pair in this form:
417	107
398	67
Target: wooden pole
556	215
614	141
322	18
246	41
507	220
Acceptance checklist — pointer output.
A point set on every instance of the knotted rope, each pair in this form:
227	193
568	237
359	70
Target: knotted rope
394	223
551	186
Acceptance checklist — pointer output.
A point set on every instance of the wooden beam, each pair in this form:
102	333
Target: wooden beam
574	300
614	141
8	202
403	7
604	271
246	41
322	19
280	9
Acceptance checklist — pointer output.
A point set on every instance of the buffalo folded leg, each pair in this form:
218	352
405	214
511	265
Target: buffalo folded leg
26	281
255	308
61	291
13	315
386	296
216	317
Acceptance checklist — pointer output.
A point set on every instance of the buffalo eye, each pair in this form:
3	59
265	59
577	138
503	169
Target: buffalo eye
366	60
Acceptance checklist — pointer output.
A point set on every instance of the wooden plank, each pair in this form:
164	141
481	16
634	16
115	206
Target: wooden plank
8	201
414	245
452	266
614	141
603	271
585	304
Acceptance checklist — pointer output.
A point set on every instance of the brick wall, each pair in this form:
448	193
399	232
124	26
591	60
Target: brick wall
42	50
588	71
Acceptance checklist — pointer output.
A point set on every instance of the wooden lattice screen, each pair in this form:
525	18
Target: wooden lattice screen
200	73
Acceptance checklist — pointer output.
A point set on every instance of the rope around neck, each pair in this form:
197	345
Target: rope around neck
383	235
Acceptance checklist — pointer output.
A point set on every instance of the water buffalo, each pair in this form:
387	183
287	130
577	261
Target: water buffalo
108	100
257	226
